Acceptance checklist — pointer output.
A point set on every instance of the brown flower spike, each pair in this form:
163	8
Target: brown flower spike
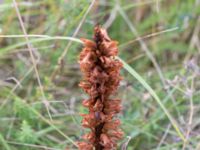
101	79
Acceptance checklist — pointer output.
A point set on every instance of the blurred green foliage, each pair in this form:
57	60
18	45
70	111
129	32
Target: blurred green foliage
25	123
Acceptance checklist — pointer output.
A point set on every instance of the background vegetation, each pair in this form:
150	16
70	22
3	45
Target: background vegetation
158	42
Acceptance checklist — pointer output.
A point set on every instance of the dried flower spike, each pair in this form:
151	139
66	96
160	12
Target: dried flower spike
101	79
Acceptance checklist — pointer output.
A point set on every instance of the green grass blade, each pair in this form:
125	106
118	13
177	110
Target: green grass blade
46	120
4	143
3	51
154	95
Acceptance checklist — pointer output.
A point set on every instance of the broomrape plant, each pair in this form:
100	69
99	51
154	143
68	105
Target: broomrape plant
101	73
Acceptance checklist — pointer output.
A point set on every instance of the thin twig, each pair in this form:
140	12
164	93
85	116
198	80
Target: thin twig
15	87
149	35
163	137
190	116
60	59
15	80
32	58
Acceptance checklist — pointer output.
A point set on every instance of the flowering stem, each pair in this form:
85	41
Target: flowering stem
101	79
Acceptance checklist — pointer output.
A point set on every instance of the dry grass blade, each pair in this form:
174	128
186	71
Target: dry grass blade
142	43
32	145
32	58
15	87
60	59
149	35
125	145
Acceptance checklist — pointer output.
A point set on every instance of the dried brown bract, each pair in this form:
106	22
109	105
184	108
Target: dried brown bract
101	79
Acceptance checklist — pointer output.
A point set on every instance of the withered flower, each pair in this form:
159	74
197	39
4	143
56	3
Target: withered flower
101	79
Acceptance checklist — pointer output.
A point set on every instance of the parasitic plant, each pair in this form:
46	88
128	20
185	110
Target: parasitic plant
101	73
